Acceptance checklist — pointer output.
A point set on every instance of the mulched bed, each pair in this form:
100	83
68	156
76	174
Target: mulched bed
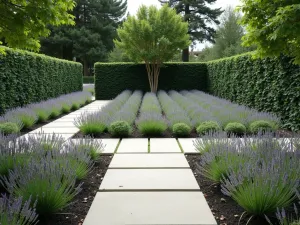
225	210
75	213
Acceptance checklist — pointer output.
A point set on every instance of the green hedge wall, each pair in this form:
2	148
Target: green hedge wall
112	78
28	77
88	80
271	85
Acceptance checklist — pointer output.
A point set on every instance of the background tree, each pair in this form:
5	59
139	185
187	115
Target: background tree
154	36
22	23
273	27
118	55
91	39
228	38
200	17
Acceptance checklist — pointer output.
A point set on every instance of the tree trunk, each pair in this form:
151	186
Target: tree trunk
185	55
85	67
153	70
185	52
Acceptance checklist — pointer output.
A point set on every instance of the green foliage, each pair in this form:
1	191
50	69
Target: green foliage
181	130
120	129
113	78
22	23
208	127
270	85
88	79
27	77
152	127
91	39
9	128
118	55
92	128
261	125
273	27
154	36
235	128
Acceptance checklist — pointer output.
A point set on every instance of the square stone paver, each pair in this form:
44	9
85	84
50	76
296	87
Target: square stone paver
148	161
109	144
137	208
188	145
149	179
133	145
59	124
58	130
161	145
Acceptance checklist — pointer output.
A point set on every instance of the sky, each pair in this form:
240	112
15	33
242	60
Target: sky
133	6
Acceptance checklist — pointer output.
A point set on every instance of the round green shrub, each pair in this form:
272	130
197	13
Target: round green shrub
181	130
9	128
208	126
120	129
260	125
235	128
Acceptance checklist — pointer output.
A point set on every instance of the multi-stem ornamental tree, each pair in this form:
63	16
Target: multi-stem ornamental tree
153	36
273	27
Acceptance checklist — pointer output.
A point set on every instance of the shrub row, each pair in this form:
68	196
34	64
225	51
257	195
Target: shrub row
28	77
14	120
36	171
113	78
257	172
88	79
270	85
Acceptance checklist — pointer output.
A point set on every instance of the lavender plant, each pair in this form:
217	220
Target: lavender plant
13	211
47	181
92	123
9	128
26	115
174	113
45	142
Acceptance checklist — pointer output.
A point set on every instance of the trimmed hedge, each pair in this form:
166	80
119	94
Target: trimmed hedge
28	77
88	80
271	85
113	78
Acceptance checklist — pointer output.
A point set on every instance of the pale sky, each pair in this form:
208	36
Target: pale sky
133	6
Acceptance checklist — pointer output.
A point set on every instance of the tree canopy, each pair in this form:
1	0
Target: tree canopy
153	36
273	27
22	23
200	17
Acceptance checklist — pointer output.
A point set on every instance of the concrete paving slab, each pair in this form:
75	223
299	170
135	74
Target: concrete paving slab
162	145
136	208
61	130
187	145
133	145
148	161
59	124
149	179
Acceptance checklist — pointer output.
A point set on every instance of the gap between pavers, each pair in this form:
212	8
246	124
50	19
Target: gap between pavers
136	208
164	145
143	161
149	179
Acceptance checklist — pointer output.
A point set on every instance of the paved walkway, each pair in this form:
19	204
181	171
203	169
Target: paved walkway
148	181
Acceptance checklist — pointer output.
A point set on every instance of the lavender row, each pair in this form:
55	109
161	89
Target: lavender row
14	120
151	120
98	122
260	173
42	174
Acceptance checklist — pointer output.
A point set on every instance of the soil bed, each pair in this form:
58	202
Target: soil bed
75	213
226	207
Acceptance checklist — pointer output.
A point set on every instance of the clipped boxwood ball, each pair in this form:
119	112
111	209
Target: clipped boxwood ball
9	128
120	129
181	130
235	128
208	126
260	125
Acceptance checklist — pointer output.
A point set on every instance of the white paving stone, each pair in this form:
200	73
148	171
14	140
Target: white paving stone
163	145
133	145
60	130
59	124
187	145
148	161
149	179
136	208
